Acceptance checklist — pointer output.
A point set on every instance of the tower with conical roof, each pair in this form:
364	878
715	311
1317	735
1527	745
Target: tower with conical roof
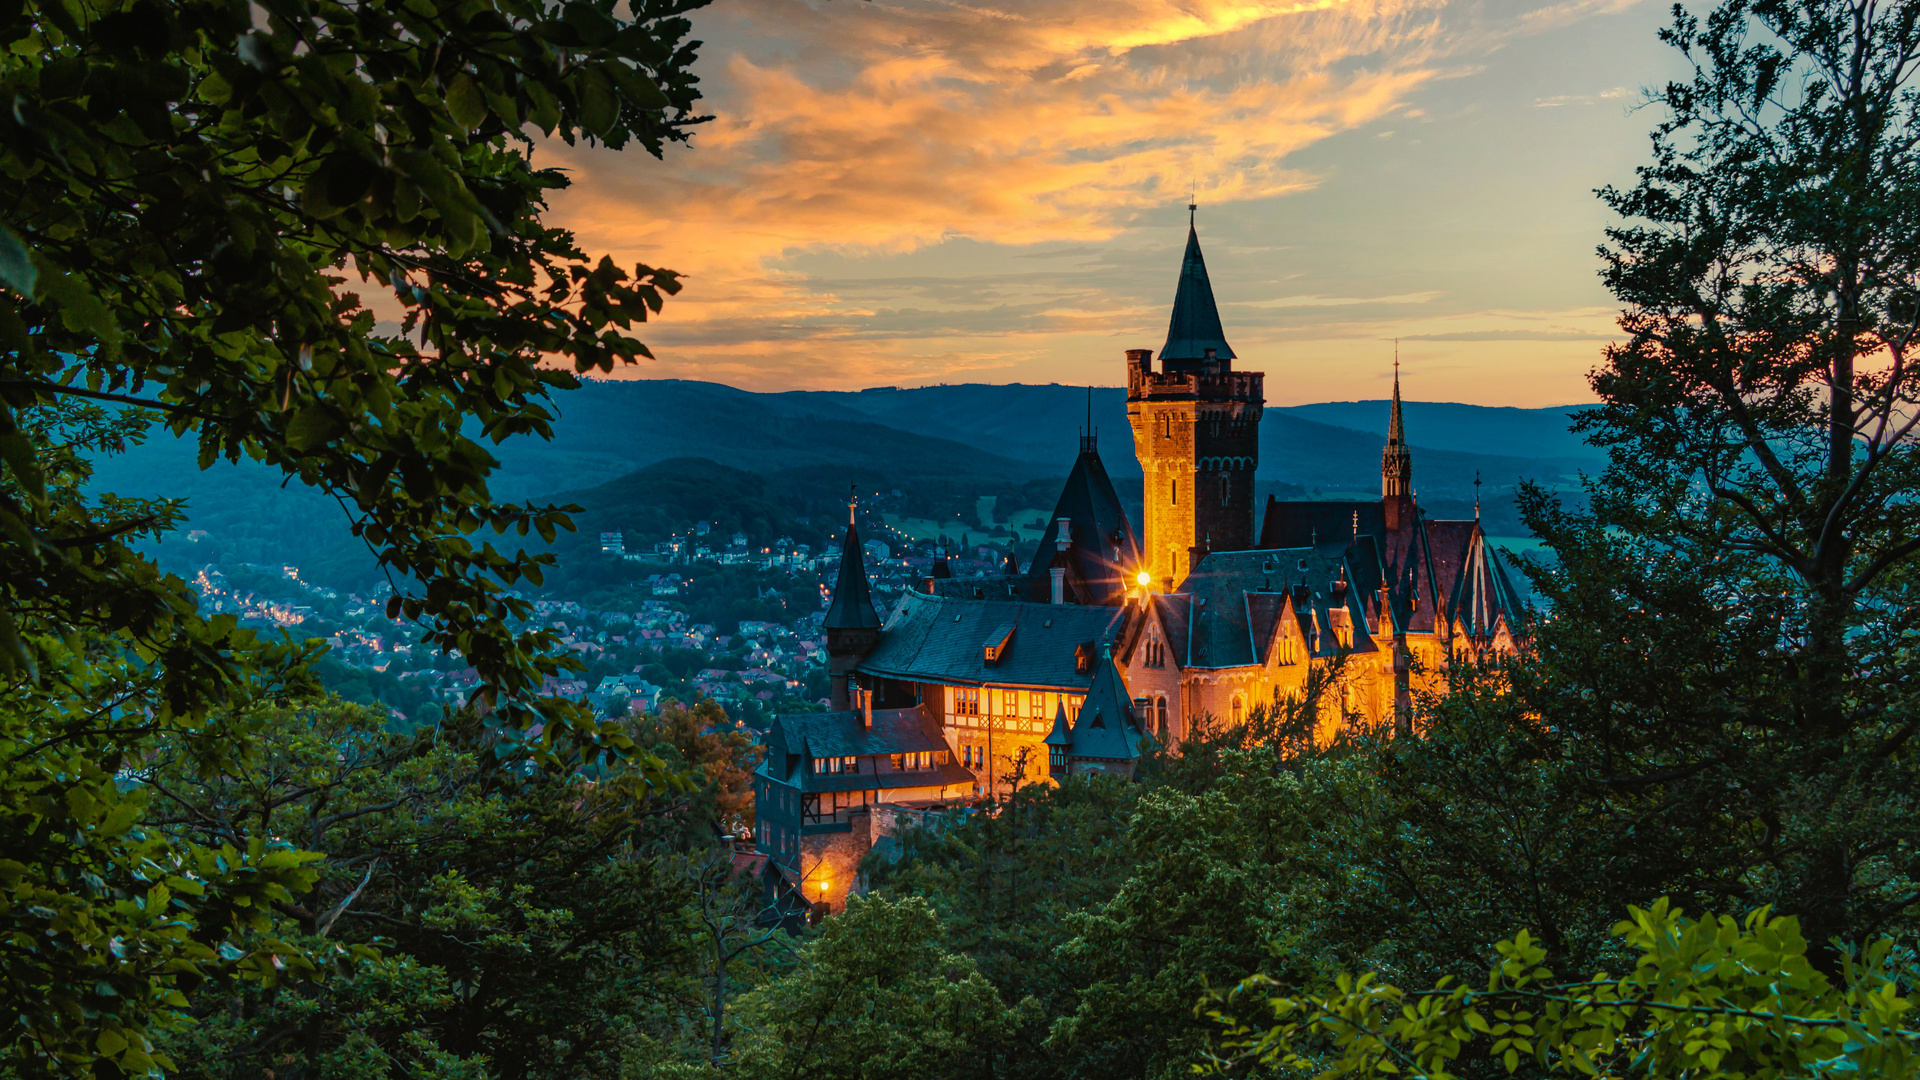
852	625
1396	462
1196	431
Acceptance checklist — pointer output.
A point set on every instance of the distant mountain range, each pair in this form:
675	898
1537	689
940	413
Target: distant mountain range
808	445
1018	431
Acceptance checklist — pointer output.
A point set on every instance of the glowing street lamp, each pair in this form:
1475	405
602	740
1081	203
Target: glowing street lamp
1145	579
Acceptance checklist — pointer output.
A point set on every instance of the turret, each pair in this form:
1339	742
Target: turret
1196	430
1396	463
852	625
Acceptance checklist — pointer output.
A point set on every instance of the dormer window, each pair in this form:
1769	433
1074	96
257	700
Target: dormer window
997	643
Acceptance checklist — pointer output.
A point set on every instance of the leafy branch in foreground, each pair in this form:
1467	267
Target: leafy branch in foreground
1708	997
190	187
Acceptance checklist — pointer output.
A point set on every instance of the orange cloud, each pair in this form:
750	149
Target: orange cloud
893	126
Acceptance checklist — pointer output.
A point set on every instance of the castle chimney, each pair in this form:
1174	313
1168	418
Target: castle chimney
1062	540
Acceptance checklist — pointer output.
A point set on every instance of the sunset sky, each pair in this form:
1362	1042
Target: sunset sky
916	191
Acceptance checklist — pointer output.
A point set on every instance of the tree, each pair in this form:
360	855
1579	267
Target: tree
728	926
1705	997
187	194
470	910
703	741
1760	427
874	996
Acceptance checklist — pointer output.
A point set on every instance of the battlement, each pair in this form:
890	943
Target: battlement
1203	380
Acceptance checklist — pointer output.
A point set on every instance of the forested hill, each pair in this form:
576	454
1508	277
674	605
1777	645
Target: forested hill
803	448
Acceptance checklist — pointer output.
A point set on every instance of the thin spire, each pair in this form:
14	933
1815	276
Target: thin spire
853	500
1195	325
1396	461
1476	494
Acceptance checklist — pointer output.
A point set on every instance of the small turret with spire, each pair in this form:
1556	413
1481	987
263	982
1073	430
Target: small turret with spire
1396	461
851	624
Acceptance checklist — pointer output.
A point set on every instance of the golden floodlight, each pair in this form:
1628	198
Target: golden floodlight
1145	579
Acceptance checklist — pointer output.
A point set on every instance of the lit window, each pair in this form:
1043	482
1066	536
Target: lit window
1239	707
1037	704
1010	702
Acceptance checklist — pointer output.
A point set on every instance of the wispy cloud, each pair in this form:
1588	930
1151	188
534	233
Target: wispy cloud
1342	301
1512	335
1618	93
868	130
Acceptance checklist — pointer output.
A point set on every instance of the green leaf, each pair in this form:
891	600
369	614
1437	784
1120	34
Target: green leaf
312	427
465	103
599	102
16	263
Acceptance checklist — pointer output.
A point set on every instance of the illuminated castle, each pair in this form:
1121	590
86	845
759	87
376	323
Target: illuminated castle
1112	641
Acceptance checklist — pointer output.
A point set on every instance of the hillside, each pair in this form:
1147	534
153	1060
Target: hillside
943	447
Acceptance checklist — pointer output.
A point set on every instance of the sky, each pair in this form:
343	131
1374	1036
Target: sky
906	192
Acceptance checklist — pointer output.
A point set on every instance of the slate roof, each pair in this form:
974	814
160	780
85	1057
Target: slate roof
794	738
1479	593
946	775
942	639
1224	612
1105	728
1104	552
1306	523
1195	325
1061	734
852	607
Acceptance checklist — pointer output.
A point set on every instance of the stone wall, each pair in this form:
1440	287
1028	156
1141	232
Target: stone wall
833	860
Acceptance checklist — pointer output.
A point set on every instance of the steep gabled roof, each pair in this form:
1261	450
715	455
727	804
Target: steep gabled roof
1233	597
1062	733
1104	548
1482	596
852	607
1195	325
1105	728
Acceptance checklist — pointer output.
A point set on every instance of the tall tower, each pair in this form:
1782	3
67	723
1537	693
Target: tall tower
852	626
1396	462
1196	431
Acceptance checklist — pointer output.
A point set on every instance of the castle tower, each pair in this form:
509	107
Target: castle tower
852	626
1196	431
1396	463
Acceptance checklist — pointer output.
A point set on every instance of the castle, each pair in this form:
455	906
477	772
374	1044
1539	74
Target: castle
1113	637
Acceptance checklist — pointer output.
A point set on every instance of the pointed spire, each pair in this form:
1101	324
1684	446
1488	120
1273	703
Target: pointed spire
1476	494
852	606
1396	461
1195	325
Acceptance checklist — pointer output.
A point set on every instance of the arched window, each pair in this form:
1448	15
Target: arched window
1160	706
1174	488
1223	489
1239	709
